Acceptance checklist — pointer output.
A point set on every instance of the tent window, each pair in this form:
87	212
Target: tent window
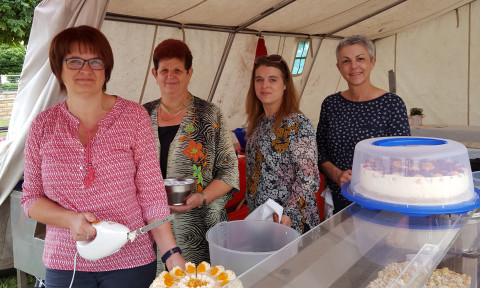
300	57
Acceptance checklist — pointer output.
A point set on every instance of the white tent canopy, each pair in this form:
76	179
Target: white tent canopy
428	45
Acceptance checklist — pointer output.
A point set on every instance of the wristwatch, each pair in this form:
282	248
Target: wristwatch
170	253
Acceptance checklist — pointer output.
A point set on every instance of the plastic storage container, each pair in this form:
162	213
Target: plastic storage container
386	232
240	245
412	171
476	178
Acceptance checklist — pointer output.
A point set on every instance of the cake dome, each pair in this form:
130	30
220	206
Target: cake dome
412	171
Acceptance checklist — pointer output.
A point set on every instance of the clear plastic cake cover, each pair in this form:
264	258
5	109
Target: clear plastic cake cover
413	175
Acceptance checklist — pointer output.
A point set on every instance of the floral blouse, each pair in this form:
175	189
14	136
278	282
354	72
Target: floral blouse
282	165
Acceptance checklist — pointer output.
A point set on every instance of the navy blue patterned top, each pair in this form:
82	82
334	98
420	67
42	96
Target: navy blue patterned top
343	123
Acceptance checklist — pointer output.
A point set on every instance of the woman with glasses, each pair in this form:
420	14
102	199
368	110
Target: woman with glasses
362	111
92	158
281	152
192	141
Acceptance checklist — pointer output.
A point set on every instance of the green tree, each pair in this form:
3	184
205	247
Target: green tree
11	59
16	20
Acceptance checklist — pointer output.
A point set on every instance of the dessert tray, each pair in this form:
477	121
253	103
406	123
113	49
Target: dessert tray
411	210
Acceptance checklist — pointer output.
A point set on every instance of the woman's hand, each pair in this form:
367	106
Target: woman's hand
194	200
343	177
81	227
333	172
285	220
175	260
49	212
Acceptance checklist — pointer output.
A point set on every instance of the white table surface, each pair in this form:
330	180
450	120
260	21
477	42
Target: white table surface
467	135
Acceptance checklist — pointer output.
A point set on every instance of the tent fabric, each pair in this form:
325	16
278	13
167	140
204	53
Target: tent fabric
374	18
428	44
38	87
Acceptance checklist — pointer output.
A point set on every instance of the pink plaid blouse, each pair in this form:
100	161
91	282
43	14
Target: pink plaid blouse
127	187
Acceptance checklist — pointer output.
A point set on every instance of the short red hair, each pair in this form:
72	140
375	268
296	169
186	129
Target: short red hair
86	39
172	48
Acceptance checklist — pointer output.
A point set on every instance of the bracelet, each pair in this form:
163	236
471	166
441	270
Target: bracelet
170	253
204	199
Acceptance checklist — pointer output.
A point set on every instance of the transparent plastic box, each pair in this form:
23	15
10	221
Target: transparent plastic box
476	178
412	171
354	247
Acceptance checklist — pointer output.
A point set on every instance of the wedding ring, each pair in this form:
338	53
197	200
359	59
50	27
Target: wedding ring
87	236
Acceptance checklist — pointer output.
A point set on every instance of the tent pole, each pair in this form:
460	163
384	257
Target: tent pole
149	65
226	51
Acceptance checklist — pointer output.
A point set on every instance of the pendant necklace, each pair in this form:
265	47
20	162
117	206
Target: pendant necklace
181	106
168	119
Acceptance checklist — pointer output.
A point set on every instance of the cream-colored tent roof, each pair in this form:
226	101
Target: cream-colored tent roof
430	45
374	18
427	44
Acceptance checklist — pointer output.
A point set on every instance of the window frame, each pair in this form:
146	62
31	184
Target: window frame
302	57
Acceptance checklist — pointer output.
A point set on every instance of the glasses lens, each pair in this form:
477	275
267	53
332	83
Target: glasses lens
272	58
275	58
77	63
96	64
260	59
74	63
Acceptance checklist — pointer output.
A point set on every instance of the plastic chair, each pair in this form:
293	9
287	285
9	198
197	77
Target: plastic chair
236	208
320	199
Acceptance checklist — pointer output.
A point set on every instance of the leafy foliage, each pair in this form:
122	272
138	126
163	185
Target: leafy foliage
416	111
9	86
16	20
11	59
8	278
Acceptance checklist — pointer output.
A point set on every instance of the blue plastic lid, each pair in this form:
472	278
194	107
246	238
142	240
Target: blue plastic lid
411	210
391	142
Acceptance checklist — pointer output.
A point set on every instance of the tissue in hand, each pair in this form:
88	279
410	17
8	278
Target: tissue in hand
265	211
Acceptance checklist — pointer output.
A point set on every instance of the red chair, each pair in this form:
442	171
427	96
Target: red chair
236	208
320	199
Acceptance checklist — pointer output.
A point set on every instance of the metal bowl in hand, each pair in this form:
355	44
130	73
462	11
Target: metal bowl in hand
178	189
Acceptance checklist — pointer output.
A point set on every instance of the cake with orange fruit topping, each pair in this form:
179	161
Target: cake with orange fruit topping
201	276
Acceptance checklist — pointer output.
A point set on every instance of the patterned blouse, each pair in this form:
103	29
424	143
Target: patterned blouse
127	188
343	123
282	165
202	149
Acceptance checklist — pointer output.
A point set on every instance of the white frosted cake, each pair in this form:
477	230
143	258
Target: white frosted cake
425	182
203	276
434	174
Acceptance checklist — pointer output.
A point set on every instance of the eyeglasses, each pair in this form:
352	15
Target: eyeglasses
271	58
77	63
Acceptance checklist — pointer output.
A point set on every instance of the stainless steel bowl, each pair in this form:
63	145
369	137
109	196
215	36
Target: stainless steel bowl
178	189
